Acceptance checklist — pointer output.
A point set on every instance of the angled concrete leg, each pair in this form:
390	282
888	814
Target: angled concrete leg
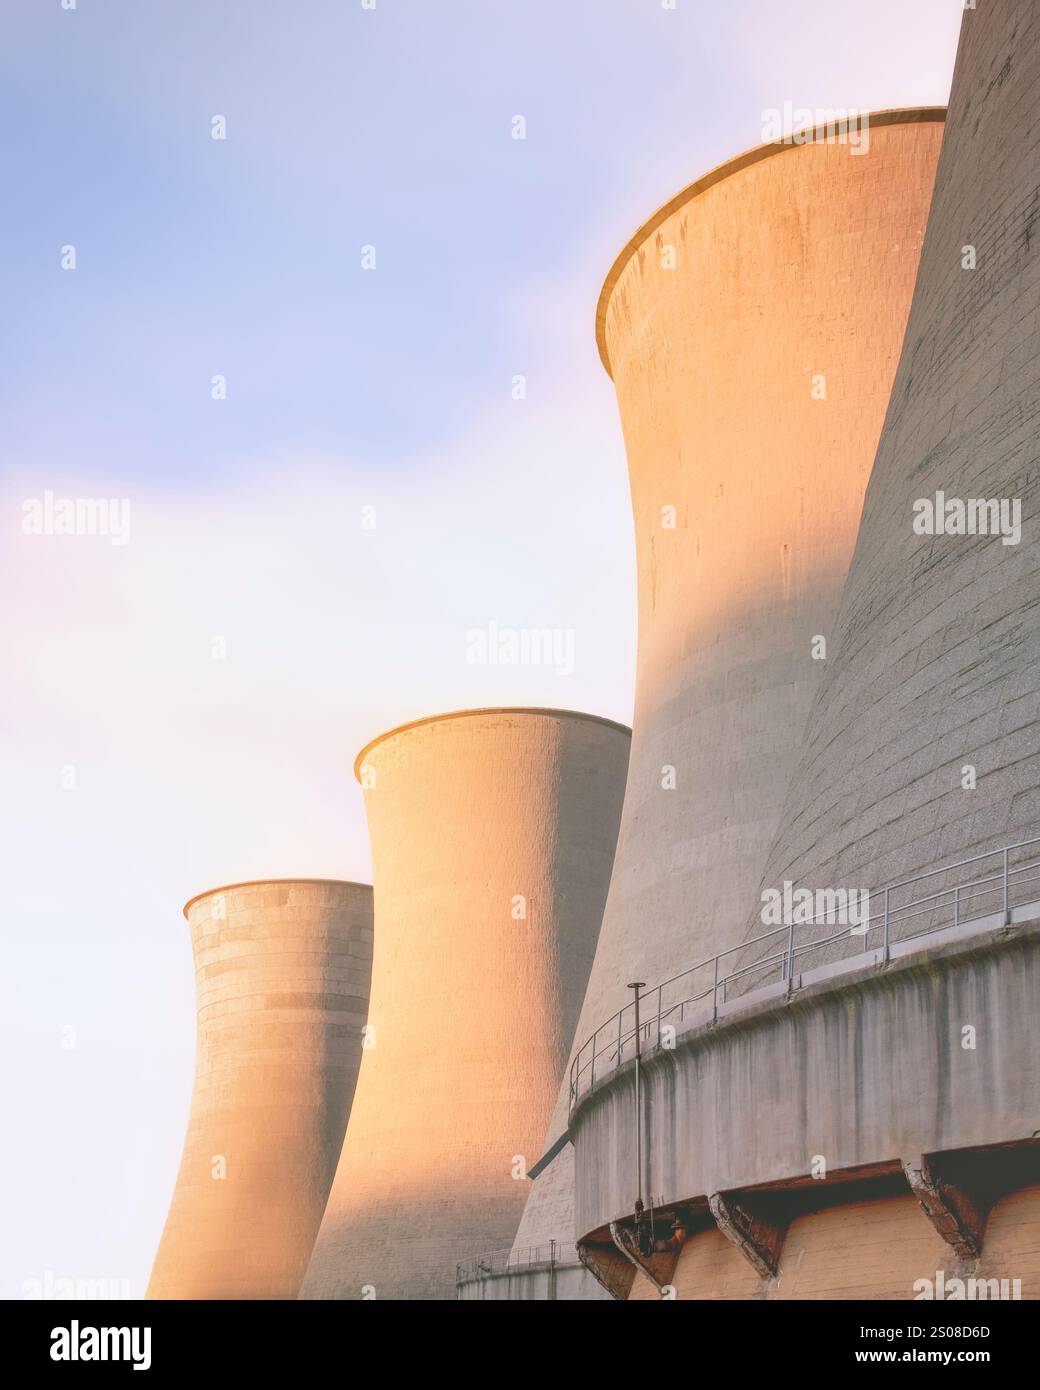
757	1236
659	1267
609	1266
957	1213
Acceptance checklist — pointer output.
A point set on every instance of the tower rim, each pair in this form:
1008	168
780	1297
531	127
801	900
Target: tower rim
547	711
909	115
269	882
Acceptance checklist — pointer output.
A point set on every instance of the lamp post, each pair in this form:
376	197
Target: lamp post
635	987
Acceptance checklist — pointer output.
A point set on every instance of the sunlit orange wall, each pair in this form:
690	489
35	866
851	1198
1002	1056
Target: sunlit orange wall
790	276
473	1006
875	1249
282	981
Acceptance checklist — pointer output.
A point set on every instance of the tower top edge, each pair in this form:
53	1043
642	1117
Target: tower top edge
547	712
911	115
271	883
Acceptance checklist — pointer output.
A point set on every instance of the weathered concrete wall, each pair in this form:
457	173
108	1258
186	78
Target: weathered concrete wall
569	1283
282	976
934	659
864	1068
788	263
473	1008
875	1249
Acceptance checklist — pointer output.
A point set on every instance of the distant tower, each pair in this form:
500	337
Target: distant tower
282	976
493	835
752	328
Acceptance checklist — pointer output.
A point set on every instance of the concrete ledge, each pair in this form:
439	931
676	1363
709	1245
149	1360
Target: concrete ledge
938	1049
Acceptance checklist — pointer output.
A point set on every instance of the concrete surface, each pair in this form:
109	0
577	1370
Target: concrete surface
566	1283
862	1069
791	262
473	1007
934	659
873	1249
282	978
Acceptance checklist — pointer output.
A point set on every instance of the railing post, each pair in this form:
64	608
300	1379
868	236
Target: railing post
659	989
592	1078
715	994
888	894
620	1044
790	956
1007	907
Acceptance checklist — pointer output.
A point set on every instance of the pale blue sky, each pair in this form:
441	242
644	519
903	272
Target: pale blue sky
345	389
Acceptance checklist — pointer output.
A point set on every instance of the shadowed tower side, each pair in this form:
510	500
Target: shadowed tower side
752	328
924	743
282	971
493	835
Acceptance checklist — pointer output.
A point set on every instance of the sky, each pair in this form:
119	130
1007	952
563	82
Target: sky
312	535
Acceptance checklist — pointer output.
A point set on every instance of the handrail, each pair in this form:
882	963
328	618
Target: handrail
506	1259
1004	881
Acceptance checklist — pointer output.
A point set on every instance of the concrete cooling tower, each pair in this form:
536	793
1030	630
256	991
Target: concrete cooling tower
493	835
857	1116
282	976
940	618
752	328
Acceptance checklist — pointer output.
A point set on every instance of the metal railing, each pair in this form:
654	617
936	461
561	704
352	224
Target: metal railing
785	953
507	1260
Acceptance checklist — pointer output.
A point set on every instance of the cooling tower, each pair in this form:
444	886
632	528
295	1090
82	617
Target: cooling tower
493	835
282	977
857	1118
752	328
924	743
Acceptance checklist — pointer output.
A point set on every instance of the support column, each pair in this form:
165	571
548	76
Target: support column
957	1211
609	1266
756	1233
659	1267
